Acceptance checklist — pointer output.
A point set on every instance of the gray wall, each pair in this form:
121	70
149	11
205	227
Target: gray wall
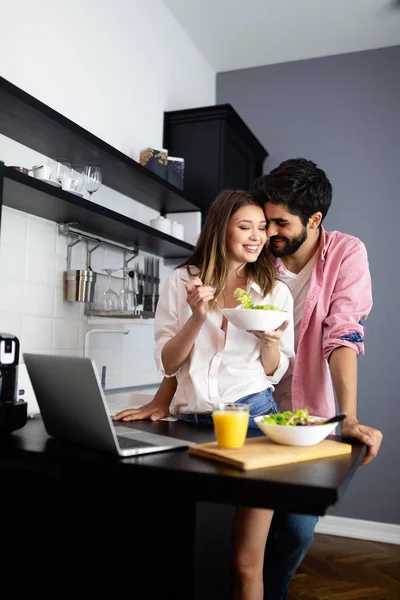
343	112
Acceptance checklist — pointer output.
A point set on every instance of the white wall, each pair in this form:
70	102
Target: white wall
113	69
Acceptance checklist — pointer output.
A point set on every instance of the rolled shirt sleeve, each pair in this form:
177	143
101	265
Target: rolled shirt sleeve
166	324
351	303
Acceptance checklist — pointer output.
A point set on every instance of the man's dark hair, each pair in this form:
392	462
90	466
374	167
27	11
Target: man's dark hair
299	184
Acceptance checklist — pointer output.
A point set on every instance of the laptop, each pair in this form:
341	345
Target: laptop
74	408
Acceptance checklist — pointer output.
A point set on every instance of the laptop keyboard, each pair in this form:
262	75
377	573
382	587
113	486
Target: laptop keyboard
126	443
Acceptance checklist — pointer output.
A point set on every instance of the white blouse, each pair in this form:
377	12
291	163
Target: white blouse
219	368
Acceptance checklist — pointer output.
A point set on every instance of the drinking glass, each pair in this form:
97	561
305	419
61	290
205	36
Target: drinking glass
61	169
79	179
110	298
92	175
231	421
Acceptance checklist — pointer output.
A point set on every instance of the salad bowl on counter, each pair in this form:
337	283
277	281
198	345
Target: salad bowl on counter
295	429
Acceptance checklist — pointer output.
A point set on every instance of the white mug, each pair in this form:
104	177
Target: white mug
41	172
69	184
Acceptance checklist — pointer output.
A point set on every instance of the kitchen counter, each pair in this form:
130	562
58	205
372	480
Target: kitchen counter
309	487
136	517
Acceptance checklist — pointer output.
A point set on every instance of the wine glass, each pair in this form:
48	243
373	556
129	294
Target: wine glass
127	298
92	175
110	298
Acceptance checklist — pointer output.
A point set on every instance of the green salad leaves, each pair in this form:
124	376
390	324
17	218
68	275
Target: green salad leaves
246	301
300	417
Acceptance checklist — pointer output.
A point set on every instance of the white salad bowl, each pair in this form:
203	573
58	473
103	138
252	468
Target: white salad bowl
296	435
251	318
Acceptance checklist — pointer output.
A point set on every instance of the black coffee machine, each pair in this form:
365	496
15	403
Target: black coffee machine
13	412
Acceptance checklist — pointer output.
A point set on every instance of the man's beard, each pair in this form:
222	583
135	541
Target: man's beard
290	246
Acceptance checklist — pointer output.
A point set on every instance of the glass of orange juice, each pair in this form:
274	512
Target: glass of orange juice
230	424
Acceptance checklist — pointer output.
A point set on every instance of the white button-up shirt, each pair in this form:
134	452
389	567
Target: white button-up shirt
219	368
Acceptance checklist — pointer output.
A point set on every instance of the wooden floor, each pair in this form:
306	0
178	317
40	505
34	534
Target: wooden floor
338	568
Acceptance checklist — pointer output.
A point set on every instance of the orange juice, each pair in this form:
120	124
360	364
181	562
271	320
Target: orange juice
230	425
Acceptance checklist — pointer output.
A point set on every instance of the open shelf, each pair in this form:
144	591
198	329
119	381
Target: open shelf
28	121
38	198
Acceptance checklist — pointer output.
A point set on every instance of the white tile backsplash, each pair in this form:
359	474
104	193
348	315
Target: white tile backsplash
32	305
45	275
38	298
67	352
12	261
65	334
36	333
41	235
11	295
11	322
59	269
113	343
13	227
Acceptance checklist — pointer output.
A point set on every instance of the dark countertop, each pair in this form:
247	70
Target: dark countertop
308	487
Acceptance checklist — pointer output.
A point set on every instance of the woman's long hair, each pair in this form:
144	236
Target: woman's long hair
210	255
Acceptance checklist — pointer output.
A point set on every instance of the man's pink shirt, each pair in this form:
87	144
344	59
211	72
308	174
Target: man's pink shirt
339	300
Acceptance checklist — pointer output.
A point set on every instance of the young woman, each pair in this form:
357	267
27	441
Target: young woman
213	361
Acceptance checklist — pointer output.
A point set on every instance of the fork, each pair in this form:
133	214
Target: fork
186	281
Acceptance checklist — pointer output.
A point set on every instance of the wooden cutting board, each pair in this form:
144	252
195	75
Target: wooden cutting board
260	452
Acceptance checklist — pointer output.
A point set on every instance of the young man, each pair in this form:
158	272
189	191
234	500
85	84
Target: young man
328	275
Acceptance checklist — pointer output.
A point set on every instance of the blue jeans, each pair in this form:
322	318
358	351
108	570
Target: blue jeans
260	403
290	534
289	538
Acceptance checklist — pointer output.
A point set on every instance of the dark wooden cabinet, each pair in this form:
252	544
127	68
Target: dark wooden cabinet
219	149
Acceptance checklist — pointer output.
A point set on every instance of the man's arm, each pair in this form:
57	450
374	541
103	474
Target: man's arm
351	302
343	367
